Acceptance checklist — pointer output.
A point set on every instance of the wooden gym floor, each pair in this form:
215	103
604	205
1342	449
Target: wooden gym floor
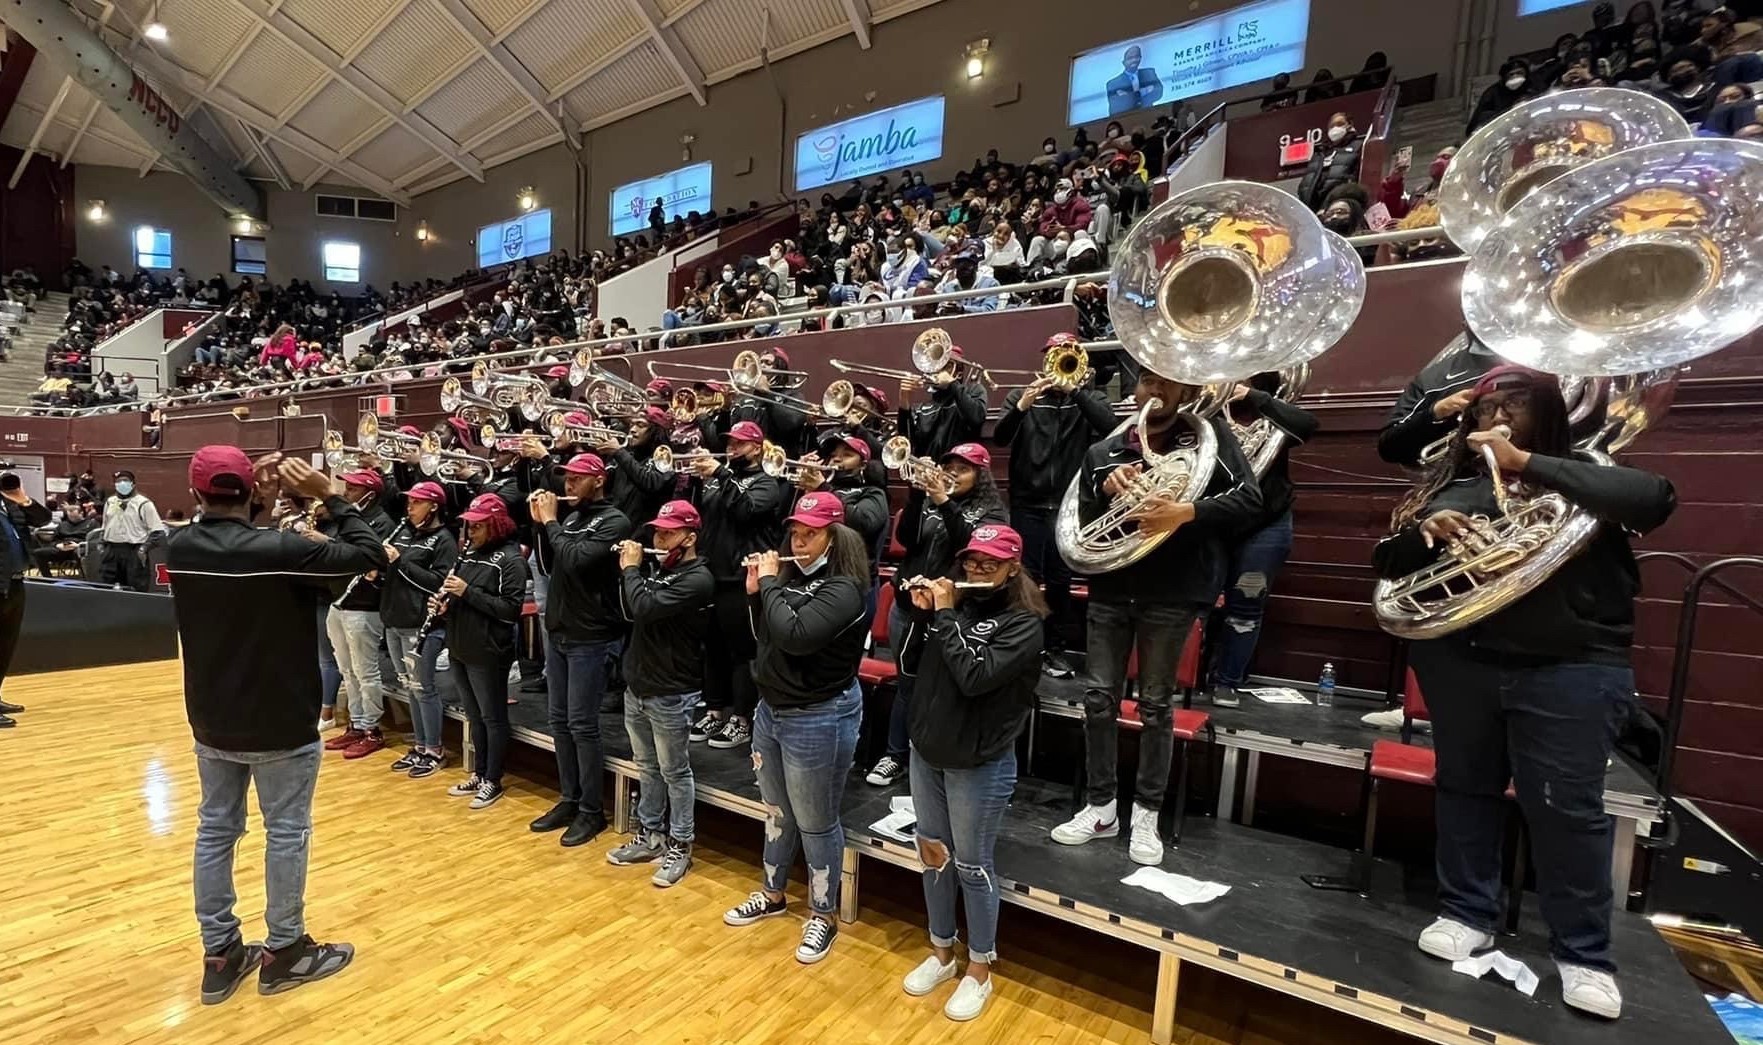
470	929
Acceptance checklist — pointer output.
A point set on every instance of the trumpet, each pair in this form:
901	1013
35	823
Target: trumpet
509	442
369	437
773	462
339	455
557	423
474	409
897	456
446	463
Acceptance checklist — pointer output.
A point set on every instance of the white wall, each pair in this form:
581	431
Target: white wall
138	350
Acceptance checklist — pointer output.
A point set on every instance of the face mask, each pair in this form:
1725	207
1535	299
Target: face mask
817	565
1683	79
728	275
1337	224
1437	170
1514	82
1337	134
124	487
1048	149
1061	196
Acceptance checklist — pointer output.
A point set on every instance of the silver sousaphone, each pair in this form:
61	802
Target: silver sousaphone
1622	271
1214	285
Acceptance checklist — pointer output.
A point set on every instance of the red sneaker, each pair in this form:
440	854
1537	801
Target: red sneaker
370	741
346	739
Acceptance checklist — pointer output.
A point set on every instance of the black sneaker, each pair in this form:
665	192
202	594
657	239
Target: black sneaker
487	794
408	762
560	816
818	934
888	770
1055	666
222	973
301	963
536	684
583	829
707	726
734	734
9	708
1226	697
752	909
426	765
6	723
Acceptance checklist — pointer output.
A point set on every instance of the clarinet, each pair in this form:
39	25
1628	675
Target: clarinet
358	578
443	602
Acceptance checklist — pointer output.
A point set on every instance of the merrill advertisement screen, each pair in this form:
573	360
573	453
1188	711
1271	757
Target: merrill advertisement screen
514	239
681	191
903	136
1532	7
1242	45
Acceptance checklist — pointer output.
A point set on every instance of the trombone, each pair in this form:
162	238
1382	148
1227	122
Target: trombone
340	456
773	462
839	402
897	456
446	463
744	373
474	409
371	440
1066	367
932	352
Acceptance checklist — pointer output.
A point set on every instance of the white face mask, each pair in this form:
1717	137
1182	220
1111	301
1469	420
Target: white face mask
1048	149
1061	196
818	564
1513	83
1336	134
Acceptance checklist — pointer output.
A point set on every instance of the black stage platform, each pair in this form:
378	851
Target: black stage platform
1352	954
72	624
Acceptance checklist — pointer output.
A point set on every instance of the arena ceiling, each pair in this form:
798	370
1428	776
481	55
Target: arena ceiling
403	96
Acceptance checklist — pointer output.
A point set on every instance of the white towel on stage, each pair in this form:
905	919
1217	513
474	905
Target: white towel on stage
1178	887
1509	969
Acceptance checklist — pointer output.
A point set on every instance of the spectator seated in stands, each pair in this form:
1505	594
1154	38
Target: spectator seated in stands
1735	108
1323	87
1334	163
1687	87
1067	214
56	389
1727	37
1513	87
1374	74
966	275
1282	96
66	545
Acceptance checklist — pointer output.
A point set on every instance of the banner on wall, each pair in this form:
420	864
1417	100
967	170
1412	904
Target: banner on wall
1534	7
1242	45
901	136
516	238
680	192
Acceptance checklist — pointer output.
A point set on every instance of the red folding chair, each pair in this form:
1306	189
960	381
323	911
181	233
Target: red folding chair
872	671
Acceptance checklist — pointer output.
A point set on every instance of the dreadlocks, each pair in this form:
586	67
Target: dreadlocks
1551	436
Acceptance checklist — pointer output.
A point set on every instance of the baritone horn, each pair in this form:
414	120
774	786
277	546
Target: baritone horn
1214	285
839	402
1622	271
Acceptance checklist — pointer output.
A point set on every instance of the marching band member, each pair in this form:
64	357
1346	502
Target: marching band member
1535	694
975	655
632	485
939	519
418	556
743	512
1151	603
356	630
807	620
866	503
1430	407
670	613
586	630
480	603
784	424
954	413
1257	558
1048	430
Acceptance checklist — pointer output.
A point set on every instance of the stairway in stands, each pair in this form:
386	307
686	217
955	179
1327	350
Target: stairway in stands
23	370
1427	128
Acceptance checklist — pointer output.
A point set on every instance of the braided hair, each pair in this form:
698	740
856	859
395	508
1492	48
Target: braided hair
1551	435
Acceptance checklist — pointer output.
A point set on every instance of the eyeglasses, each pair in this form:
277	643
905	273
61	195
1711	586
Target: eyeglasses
984	566
1514	403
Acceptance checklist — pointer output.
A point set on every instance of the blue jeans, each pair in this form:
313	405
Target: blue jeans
328	672
285	781
483	689
1549	730
1253	568
575	683
419	662
355	636
900	715
658	728
801	757
962	810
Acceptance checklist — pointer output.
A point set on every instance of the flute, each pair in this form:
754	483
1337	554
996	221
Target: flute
925	582
753	560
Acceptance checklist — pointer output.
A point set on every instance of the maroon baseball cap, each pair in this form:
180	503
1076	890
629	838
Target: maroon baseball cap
409	430
856	444
584	464
463	427
1064	337
677	515
657	417
973	453
876	396
782	357
558	371
365	479
578	419
661	386
427	491
220	470
818	510
747	432
998	541
1507	375
484	507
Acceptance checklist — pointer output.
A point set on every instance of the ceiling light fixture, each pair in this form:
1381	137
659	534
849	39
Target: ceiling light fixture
155	29
422	232
976	58
96	211
528	198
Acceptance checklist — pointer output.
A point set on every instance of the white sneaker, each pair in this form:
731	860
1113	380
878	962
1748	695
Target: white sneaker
969	999
325	725
1087	824
1146	845
930	972
1590	990
443	662
1391	721
1452	940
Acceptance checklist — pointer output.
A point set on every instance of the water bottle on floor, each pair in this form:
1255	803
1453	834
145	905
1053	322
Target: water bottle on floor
1325	687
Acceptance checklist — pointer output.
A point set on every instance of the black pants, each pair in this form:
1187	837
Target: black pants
483	689
1159	631
728	654
45	558
124	564
11	620
1548	729
1041	558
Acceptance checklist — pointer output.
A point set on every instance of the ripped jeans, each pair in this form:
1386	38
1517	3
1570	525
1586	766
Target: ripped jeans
962	809
1253	568
802	757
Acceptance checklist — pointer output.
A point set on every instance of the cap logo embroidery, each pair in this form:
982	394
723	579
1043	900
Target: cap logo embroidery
986	533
